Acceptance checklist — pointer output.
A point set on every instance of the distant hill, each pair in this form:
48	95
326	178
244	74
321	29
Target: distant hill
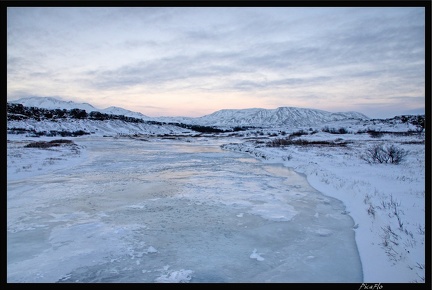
256	117
53	116
53	103
124	112
283	116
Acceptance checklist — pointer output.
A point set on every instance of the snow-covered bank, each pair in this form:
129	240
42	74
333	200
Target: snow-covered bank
96	127
386	201
25	162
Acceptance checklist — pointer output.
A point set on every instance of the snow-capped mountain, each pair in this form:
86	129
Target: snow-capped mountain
283	116
53	103
120	111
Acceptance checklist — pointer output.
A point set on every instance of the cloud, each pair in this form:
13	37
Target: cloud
261	52
164	70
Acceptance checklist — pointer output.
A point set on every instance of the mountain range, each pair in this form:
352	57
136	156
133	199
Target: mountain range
255	117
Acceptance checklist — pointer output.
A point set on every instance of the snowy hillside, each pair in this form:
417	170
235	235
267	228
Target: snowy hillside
37	115
32	127
120	111
36	122
53	103
283	116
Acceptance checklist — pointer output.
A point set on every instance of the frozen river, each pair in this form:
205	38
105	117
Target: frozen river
175	211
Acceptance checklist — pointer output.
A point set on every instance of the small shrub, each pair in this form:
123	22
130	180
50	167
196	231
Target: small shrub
301	142
278	142
287	157
326	129
238	128
61	141
375	134
395	154
41	144
298	133
342	131
375	154
334	130
371	210
384	154
53	143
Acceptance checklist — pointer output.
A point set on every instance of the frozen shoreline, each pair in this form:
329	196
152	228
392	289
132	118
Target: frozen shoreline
372	193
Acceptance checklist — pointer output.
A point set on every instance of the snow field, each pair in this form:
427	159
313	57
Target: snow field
386	201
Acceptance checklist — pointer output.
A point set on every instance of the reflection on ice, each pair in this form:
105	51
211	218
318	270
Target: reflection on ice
172	212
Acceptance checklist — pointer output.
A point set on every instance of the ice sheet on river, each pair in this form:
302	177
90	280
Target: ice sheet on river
175	212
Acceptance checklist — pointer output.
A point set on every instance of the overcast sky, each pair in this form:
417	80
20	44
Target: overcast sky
193	61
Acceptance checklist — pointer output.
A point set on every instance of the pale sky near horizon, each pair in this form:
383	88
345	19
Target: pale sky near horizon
192	61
